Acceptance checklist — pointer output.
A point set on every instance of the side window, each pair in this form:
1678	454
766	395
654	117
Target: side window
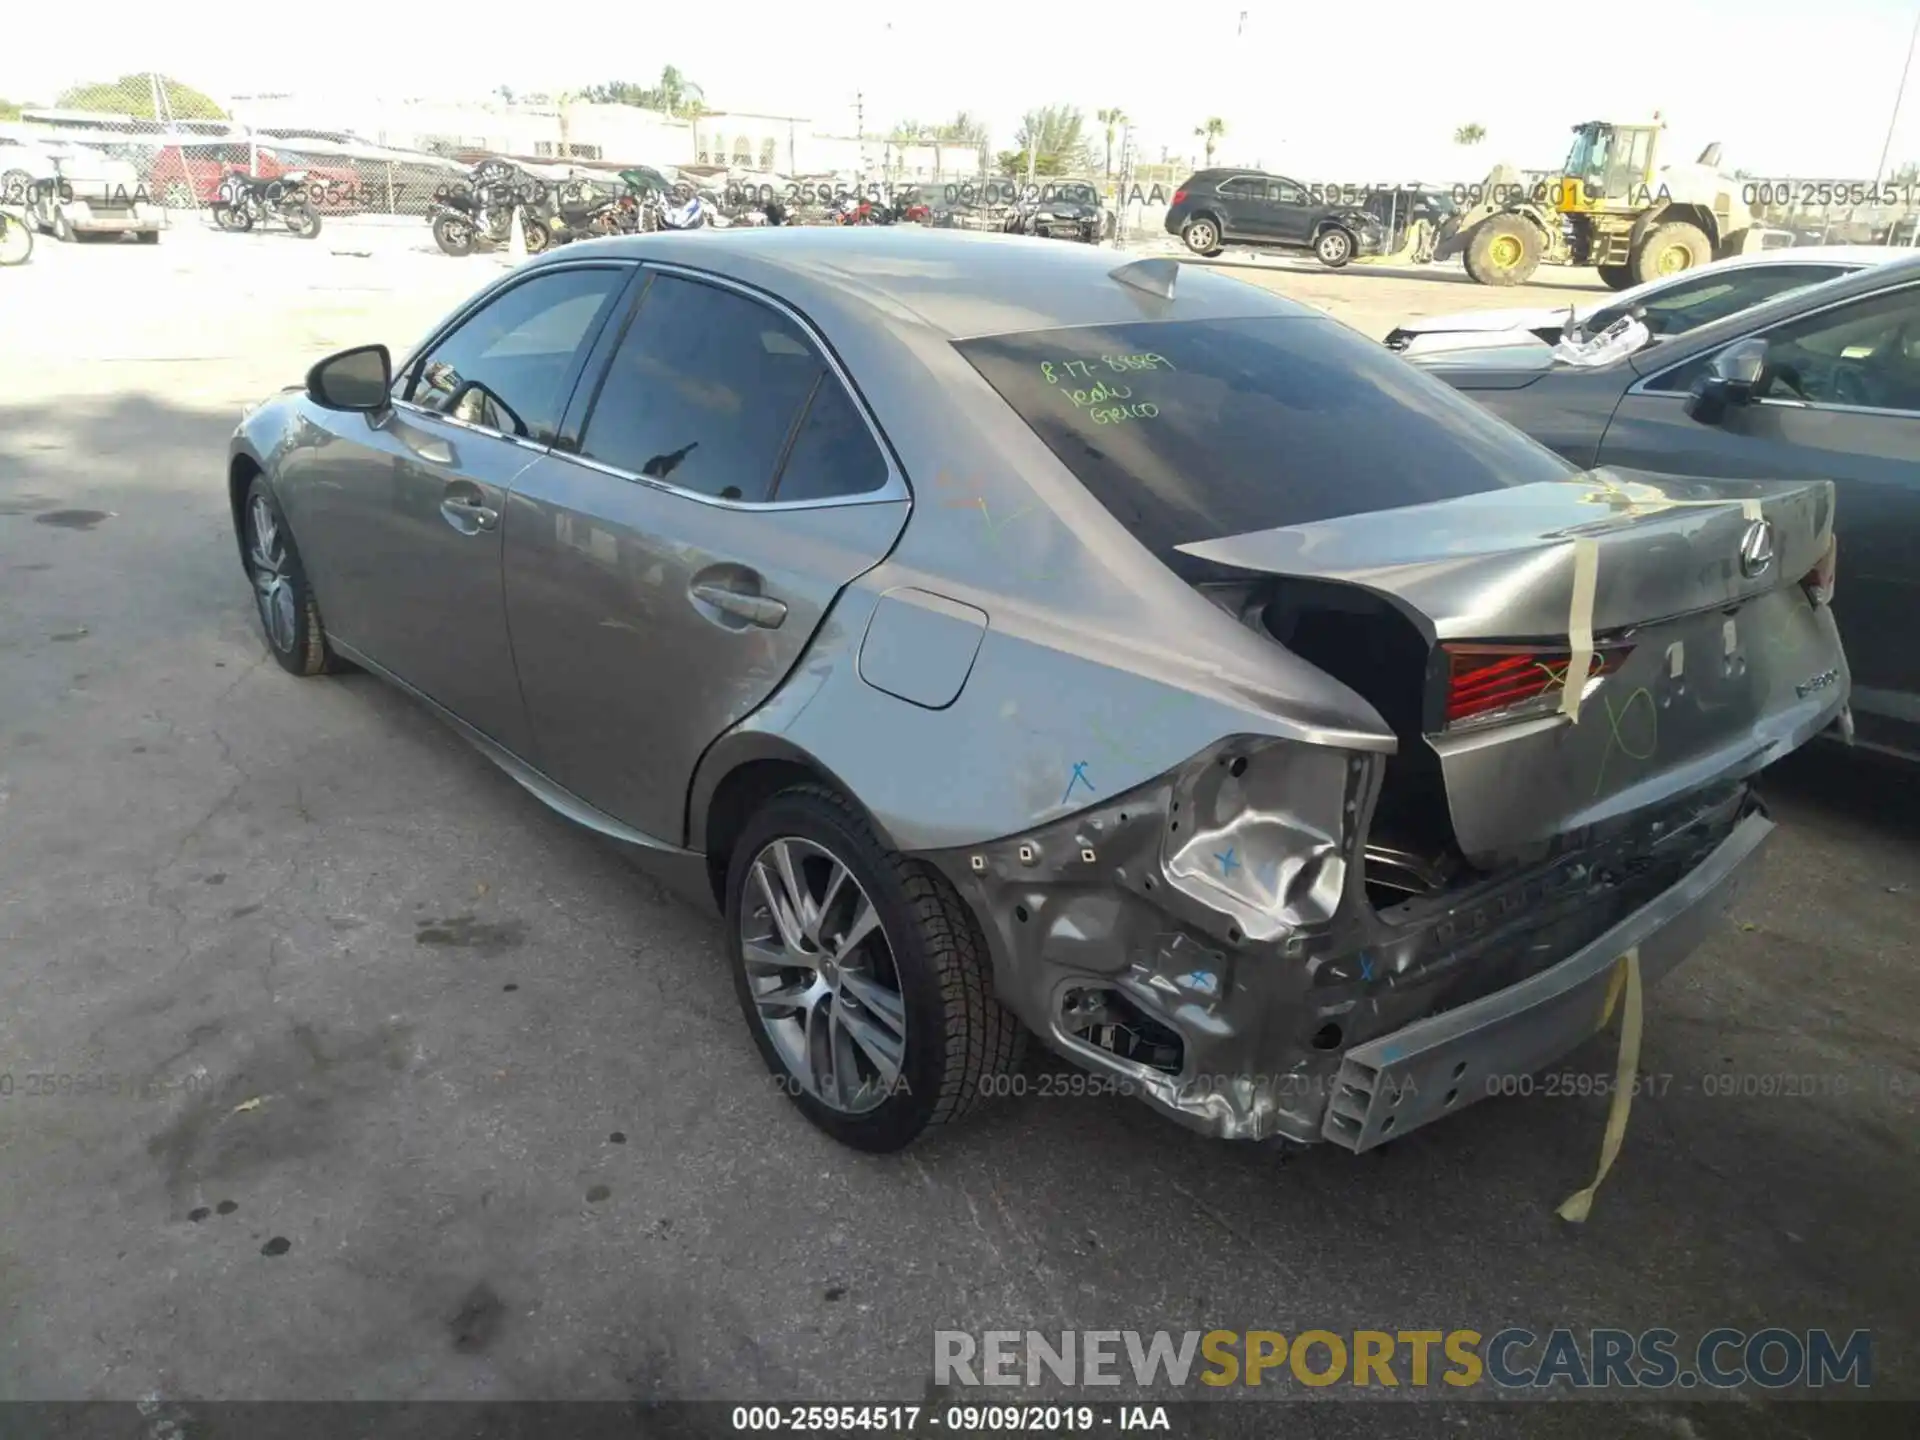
1286	192
834	453
703	392
1244	187
505	367
1864	353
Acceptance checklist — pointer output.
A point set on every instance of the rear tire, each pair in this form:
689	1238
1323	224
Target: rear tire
304	222
283	600
1668	250
1504	250
923	960
538	237
1616	277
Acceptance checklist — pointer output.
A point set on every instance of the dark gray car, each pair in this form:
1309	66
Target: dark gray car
1821	384
1008	641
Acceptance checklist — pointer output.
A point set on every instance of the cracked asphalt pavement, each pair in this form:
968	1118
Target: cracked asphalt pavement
337	1067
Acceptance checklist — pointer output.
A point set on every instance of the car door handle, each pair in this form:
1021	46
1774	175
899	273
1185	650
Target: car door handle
468	516
761	610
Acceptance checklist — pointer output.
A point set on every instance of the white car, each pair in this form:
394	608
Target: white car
70	189
1674	305
24	165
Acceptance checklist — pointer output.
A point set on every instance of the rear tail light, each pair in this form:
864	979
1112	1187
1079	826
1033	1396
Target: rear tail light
1818	582
1179	197
1503	682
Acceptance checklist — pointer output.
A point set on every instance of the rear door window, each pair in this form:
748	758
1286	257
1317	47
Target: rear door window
705	393
1199	429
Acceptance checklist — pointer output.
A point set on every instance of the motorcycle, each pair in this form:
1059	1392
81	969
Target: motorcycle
859	210
477	214
246	200
694	213
16	239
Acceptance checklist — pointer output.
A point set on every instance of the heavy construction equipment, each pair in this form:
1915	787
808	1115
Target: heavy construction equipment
1613	206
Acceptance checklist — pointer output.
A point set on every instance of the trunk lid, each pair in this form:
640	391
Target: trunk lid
1713	663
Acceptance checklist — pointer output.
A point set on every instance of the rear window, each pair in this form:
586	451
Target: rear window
1199	429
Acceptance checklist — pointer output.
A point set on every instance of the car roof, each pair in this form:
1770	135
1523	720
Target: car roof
1837	254
960	283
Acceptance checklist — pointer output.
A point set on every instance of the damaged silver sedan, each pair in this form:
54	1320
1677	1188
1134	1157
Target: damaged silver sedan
1009	640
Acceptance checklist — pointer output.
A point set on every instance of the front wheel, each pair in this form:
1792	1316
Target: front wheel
303	221
538	237
1504	250
63	228
1334	248
231	217
862	975
1202	237
16	240
453	234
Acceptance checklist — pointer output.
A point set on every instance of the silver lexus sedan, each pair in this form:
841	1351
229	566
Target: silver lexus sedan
1009	639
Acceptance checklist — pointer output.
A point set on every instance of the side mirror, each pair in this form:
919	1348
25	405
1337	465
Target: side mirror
356	379
1732	378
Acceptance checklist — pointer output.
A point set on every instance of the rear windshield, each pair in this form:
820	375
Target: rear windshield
1199	429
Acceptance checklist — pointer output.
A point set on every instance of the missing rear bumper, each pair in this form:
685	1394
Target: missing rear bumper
1396	1083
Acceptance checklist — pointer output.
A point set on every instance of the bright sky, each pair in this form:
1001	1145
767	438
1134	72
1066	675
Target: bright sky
1371	92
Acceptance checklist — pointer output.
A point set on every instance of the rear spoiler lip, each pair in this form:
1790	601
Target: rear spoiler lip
1499	565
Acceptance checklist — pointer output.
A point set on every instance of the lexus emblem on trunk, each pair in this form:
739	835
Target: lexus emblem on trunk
1756	548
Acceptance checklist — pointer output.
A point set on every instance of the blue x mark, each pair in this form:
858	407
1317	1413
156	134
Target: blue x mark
1227	863
1366	966
1079	777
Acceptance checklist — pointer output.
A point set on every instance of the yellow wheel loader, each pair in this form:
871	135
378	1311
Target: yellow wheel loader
1613	206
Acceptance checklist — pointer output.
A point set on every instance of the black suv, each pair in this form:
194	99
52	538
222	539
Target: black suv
1217	208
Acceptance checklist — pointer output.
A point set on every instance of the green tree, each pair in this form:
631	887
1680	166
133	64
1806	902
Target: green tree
1055	134
10	110
1210	133
1014	162
1471	134
675	94
133	95
617	92
1112	119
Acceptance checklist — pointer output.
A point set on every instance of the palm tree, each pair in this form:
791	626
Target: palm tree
1469	134
1211	133
1111	119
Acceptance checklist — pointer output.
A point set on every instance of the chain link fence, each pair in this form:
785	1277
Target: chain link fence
174	145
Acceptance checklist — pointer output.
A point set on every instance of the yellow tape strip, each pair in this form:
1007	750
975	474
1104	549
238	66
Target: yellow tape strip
1586	574
1626	977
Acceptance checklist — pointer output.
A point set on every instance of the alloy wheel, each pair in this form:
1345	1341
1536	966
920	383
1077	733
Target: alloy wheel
822	975
267	565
